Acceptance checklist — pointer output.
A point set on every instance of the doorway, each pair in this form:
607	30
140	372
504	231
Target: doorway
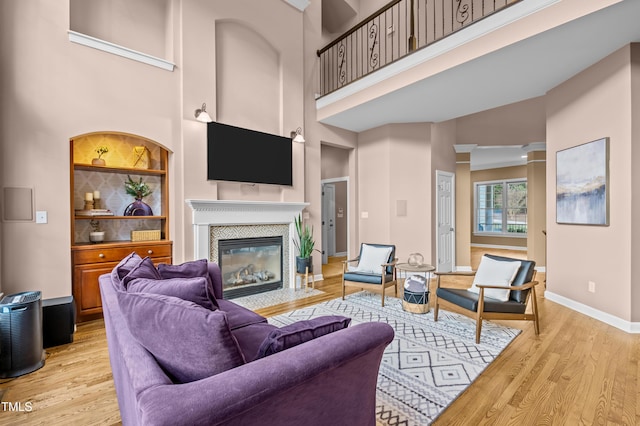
335	213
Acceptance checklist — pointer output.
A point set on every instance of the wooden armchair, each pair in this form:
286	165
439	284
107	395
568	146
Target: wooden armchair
515	294
375	270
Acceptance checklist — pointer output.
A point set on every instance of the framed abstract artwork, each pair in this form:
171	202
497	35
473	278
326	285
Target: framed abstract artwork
582	184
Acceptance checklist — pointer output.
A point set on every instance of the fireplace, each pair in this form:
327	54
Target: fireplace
250	265
215	220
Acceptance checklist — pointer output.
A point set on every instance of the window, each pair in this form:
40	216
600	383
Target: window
501	207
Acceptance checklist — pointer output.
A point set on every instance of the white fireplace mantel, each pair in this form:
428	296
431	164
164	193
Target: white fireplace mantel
232	212
208	213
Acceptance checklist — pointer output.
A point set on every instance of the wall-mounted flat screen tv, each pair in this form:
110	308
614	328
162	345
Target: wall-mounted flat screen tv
243	155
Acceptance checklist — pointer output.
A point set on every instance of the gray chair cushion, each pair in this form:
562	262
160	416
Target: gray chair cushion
361	277
469	301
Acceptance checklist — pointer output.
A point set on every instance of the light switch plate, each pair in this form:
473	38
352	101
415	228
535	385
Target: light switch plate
41	216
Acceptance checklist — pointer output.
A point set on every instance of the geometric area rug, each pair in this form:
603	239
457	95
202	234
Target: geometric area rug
274	297
427	365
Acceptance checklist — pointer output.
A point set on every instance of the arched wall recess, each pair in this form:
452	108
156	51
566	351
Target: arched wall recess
99	202
249	89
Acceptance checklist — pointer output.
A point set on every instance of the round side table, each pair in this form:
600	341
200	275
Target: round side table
416	295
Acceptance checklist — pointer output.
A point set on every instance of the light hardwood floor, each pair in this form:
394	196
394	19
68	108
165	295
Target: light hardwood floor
578	371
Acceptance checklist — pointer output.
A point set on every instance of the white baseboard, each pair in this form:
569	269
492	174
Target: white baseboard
468	268
495	246
628	326
340	254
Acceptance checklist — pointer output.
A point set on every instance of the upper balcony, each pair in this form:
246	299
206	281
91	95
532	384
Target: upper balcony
396	30
434	60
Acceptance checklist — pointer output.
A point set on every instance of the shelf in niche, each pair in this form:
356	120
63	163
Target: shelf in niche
120	217
116	49
122	170
116	243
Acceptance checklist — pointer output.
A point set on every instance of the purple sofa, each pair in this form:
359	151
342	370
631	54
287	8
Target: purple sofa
328	380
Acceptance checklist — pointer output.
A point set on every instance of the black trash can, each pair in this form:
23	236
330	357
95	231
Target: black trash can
21	349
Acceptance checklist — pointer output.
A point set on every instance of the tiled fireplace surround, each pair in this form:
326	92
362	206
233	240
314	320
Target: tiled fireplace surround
225	219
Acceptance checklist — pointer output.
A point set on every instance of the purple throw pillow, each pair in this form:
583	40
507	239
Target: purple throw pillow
188	341
123	268
191	269
299	332
144	269
194	268
192	289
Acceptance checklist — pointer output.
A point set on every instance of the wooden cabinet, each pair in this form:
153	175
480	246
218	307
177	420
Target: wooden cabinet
89	262
123	161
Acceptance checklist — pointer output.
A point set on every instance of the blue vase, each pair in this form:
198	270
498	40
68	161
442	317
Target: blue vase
138	208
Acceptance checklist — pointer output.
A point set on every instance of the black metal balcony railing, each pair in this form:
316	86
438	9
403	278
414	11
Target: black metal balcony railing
394	31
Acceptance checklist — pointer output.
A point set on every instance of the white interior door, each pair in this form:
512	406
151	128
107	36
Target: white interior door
445	218
328	221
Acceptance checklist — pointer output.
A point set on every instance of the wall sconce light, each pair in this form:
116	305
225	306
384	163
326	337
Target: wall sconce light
296	135
203	115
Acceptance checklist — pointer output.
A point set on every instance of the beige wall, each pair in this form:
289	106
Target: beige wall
54	90
595	103
374	189
519	123
335	162
443	158
362	9
635	179
119	22
318	134
394	172
219	41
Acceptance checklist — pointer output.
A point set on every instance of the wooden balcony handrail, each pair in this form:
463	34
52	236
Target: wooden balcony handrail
397	29
358	26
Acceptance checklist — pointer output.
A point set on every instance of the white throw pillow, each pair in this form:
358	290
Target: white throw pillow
372	258
495	272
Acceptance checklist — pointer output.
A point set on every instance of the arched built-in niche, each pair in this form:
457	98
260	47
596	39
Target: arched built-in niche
146	234
249	88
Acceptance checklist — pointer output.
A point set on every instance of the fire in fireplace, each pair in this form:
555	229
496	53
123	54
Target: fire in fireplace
250	265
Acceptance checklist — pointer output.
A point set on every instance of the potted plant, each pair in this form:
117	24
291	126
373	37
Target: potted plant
139	190
96	235
101	150
304	243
